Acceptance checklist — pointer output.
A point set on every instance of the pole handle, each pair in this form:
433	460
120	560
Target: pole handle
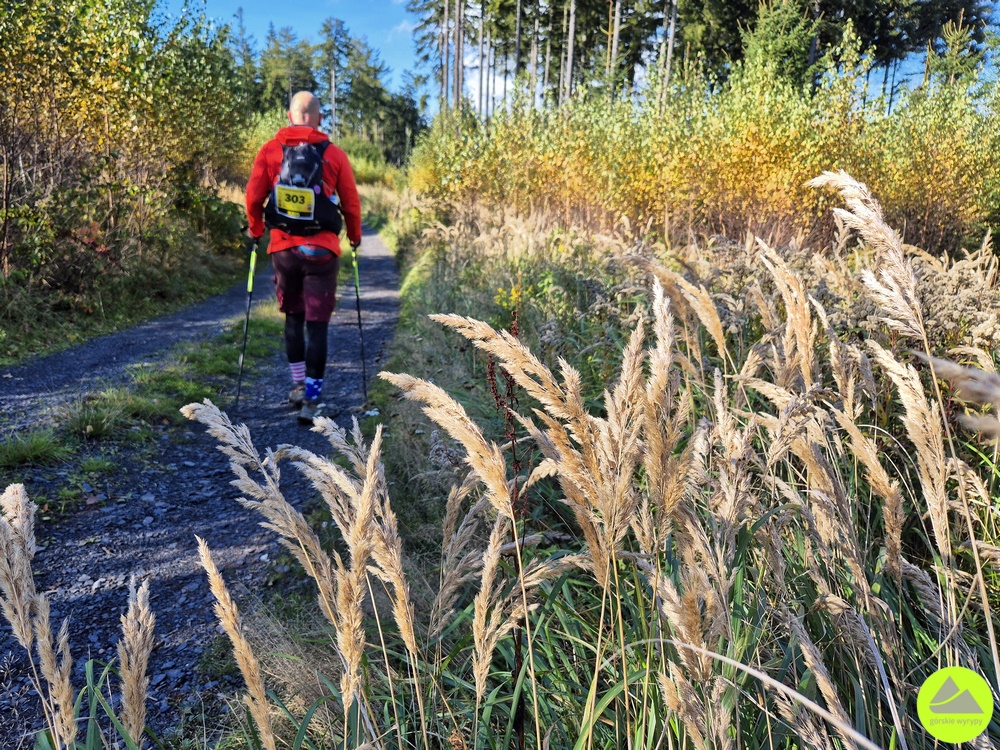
253	265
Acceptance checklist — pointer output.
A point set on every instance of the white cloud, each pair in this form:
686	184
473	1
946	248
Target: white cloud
404	28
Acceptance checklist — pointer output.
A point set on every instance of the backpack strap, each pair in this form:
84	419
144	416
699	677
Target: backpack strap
322	147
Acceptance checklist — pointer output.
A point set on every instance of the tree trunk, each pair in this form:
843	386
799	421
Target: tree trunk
533	70
482	28
517	43
892	86
569	52
614	45
548	65
333	96
461	69
446	61
661	57
814	44
489	72
607	46
562	55
459	59
441	75
506	67
671	38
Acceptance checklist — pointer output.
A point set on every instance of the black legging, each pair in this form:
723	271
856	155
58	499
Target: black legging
311	347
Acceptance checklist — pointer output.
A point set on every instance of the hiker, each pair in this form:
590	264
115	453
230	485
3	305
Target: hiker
301	176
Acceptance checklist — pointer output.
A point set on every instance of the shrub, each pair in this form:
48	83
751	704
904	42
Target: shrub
735	157
138	116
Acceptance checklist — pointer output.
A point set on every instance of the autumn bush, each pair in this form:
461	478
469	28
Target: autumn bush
728	157
114	124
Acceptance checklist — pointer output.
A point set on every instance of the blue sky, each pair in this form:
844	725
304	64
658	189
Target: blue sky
385	23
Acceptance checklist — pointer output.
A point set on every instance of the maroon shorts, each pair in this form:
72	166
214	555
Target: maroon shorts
305	285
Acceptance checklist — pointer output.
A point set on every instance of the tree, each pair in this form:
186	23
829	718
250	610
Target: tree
429	38
780	43
331	62
711	29
244	51
286	66
82	88
956	56
366	97
403	121
892	29
888	29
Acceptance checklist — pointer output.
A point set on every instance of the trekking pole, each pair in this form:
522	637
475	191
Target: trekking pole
246	322
361	335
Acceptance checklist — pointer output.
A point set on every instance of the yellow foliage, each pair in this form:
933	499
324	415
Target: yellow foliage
735	159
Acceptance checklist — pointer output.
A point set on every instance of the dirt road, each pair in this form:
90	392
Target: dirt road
144	520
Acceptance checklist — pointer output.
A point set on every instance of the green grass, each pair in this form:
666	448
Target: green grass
37	447
97	465
153	395
195	371
217	659
94	418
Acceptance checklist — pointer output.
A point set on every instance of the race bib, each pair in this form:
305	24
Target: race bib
295	203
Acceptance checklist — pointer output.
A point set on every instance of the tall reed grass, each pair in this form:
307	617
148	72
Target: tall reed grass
28	613
767	534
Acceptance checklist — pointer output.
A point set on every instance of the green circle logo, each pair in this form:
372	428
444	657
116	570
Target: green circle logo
955	704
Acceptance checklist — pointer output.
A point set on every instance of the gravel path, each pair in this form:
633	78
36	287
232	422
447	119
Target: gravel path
56	379
144	519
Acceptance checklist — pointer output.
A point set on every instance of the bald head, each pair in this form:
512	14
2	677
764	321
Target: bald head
304	110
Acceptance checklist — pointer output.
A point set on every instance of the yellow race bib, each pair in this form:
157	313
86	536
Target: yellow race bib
295	203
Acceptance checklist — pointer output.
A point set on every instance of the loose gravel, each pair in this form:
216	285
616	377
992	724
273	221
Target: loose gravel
142	519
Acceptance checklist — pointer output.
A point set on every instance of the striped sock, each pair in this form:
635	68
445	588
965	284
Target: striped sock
298	372
314	386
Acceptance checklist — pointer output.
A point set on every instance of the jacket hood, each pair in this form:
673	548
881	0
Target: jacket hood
292	135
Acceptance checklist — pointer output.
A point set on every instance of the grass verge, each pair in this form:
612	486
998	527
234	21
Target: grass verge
89	435
722	533
565	298
55	324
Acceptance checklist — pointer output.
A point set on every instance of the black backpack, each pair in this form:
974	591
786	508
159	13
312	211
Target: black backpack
297	204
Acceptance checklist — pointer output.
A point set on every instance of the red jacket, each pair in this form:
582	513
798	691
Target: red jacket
337	178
